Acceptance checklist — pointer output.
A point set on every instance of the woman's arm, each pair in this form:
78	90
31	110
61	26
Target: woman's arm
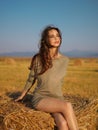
29	83
21	96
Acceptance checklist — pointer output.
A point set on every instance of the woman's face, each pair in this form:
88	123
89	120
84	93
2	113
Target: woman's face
54	38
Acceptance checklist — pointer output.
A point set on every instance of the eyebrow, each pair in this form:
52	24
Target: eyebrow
54	35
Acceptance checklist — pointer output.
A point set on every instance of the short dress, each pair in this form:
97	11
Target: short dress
49	84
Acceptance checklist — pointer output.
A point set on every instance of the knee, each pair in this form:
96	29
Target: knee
68	105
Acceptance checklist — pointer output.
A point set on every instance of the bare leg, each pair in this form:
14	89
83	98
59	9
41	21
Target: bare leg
53	105
60	121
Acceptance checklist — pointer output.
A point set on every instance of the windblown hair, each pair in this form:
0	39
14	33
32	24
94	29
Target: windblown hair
44	50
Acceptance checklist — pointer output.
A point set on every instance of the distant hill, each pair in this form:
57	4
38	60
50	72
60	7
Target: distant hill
78	53
18	54
73	53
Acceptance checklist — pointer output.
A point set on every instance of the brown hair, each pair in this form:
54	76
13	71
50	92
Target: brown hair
44	52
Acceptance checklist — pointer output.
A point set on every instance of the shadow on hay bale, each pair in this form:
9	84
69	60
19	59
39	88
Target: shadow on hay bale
26	100
19	115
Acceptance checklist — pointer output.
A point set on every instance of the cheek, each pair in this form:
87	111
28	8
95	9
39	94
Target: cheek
50	41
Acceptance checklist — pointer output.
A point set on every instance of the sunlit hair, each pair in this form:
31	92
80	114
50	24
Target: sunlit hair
44	50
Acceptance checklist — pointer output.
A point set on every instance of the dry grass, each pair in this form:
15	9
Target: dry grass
80	87
16	116
20	115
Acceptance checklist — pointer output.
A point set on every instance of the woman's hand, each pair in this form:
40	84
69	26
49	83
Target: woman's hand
21	96
18	99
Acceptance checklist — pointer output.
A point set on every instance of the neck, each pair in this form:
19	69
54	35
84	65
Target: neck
53	52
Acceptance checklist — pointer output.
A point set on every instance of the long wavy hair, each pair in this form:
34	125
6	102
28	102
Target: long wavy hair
44	51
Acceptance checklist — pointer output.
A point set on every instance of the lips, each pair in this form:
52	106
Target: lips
57	42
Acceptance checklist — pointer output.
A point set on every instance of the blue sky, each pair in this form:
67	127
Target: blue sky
21	23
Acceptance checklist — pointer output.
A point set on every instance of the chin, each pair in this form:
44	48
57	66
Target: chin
56	45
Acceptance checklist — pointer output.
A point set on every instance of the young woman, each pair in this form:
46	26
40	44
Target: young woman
48	67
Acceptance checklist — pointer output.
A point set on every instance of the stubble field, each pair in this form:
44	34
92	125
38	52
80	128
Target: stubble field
81	79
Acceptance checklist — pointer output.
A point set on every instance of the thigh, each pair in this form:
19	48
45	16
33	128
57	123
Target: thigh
50	105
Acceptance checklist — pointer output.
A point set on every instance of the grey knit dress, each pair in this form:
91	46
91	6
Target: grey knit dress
49	84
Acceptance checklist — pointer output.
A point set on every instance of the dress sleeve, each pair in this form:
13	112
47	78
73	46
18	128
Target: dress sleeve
30	80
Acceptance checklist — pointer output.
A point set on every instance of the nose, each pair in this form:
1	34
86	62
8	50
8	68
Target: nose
56	37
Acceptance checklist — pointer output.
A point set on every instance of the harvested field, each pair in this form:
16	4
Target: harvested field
80	88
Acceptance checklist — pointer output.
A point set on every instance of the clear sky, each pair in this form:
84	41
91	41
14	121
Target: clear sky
21	23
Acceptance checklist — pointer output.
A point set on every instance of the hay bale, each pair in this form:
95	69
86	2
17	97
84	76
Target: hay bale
78	62
9	61
86	111
87	117
29	120
97	123
17	116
